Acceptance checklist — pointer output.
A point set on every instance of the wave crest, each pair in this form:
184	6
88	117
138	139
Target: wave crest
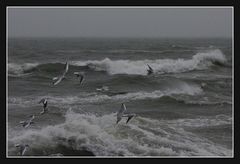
138	67
15	69
198	62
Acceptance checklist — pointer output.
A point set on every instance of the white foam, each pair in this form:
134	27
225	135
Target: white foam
16	69
212	56
100	135
198	62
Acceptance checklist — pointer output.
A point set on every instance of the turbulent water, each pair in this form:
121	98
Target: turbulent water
183	109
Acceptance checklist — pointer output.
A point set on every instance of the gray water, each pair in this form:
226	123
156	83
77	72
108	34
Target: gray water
183	109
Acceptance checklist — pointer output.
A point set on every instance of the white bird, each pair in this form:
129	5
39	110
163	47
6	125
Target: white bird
80	75
150	70
103	88
121	113
66	68
58	79
44	101
22	148
26	124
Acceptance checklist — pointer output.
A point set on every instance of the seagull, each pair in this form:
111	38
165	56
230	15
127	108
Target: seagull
44	101
150	70
103	88
80	75
22	148
121	113
26	124
58	79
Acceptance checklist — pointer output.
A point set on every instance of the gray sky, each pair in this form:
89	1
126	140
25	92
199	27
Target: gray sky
120	22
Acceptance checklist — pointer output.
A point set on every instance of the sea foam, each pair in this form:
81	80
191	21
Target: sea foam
198	62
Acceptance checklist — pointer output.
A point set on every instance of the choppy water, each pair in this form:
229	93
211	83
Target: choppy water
184	109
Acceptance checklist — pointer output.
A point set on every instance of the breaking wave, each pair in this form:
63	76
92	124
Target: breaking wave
101	136
15	69
198	62
138	67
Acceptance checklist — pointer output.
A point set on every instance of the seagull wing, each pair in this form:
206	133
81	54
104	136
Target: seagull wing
32	118
27	125
24	150
42	101
45	101
81	79
55	78
66	68
121	112
22	122
58	81
150	68
130	117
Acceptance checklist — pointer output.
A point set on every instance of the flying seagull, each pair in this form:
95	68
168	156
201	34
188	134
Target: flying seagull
103	88
44	102
80	75
26	124
150	70
121	113
58	79
22	148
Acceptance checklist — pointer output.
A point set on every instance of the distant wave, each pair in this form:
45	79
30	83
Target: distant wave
217	120
198	62
87	98
173	48
199	101
133	67
99	135
169	94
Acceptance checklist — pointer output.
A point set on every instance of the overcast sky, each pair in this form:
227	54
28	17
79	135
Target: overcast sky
119	22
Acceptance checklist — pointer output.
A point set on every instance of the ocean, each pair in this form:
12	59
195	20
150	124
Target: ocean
183	109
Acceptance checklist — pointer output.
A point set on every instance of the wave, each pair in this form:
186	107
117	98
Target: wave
217	120
86	98
16	70
179	93
200	100
101	136
199	61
